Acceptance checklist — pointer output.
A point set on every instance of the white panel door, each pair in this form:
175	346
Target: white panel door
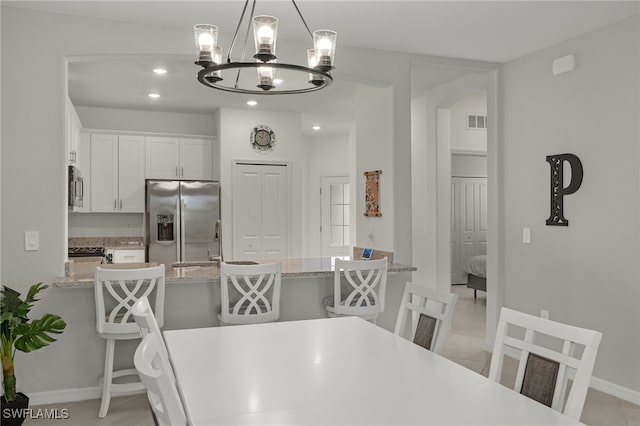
274	212
131	172
468	222
259	211
195	159
162	158
104	173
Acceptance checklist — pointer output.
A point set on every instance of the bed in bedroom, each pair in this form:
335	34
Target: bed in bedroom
476	269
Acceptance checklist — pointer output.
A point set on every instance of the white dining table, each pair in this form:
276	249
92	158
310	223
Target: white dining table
334	371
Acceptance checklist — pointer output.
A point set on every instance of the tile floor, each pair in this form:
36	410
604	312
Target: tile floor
465	346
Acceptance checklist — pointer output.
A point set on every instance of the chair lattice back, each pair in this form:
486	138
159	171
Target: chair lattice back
116	291
161	389
543	369
256	293
429	315
359	286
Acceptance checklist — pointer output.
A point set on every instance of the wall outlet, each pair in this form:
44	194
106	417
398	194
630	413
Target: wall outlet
544	314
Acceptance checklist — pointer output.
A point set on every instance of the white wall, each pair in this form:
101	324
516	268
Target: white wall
235	128
324	156
468	165
462	138
374	152
146	121
585	274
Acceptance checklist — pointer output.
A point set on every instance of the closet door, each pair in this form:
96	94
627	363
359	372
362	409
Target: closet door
469	223
259	211
473	217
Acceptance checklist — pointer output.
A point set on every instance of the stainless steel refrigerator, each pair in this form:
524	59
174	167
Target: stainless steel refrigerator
183	221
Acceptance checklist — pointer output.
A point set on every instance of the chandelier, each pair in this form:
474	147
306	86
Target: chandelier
264	75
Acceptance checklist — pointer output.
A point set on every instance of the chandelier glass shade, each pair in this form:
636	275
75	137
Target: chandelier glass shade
262	74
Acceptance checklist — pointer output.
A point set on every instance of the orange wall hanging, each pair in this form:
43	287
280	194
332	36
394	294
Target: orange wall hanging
372	193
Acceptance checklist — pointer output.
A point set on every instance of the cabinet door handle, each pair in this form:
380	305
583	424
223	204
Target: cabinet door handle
177	171
115	204
182	171
120	204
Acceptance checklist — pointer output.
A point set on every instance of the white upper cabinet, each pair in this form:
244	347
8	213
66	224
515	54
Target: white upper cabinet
162	158
73	129
117	173
178	158
131	171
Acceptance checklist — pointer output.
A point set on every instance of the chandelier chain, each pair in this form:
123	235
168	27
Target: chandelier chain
302	18
235	34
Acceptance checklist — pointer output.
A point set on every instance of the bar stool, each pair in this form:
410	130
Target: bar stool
250	294
116	290
362	291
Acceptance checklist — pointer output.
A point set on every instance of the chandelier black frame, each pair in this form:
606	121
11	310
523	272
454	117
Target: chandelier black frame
318	71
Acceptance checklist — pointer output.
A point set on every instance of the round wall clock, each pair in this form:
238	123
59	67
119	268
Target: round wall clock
263	139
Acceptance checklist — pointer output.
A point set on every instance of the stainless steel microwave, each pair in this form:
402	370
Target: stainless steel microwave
76	188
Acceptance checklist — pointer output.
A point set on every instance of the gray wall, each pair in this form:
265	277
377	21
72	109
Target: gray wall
585	274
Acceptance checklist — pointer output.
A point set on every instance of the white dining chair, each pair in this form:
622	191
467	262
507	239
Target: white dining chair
146	320
116	290
359	288
250	294
547	355
161	389
425	316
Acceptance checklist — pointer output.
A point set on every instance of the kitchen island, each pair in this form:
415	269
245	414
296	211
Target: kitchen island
193	289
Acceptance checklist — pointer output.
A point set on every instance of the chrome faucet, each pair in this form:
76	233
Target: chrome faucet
217	236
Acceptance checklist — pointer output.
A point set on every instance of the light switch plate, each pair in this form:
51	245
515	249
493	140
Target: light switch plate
31	240
526	235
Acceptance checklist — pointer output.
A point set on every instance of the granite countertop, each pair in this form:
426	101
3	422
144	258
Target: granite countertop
81	274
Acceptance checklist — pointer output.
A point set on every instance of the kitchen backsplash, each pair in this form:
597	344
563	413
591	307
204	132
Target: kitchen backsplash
107	242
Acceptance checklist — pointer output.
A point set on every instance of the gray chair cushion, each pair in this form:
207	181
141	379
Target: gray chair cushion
539	381
425	331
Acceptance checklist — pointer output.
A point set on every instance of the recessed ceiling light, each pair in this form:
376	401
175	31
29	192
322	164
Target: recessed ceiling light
252	103
160	71
154	95
316	127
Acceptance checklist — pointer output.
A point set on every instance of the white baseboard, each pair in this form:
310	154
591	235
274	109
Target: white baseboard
63	395
596	383
618	391
68	395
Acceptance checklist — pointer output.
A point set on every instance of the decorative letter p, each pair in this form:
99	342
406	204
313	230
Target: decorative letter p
556	218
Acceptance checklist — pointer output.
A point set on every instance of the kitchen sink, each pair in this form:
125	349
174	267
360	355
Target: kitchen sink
205	263
201	263
241	262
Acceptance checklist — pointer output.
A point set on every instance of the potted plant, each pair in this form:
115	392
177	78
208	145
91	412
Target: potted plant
17	331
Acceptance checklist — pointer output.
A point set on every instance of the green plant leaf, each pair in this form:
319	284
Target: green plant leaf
35	335
33	292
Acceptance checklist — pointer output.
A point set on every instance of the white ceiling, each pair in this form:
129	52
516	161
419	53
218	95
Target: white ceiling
488	31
